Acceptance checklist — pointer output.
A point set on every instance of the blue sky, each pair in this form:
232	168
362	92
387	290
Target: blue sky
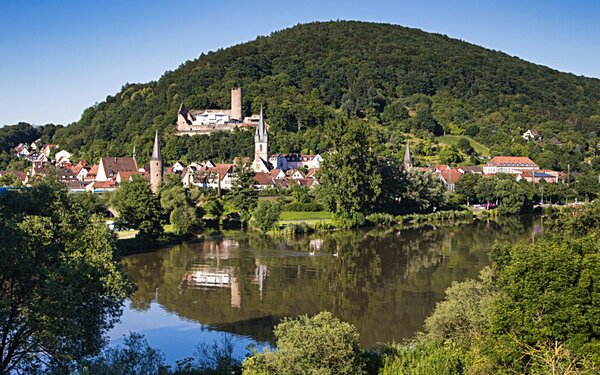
59	57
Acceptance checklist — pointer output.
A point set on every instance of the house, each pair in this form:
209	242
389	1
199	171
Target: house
92	173
509	164
531	135
101	186
126	176
34	157
109	167
75	186
80	170
22	150
277	173
471	169
220	175
295	161
263	181
47	149
450	177
62	157
178	167
536	177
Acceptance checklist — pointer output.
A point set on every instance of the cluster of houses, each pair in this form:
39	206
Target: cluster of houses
522	167
278	171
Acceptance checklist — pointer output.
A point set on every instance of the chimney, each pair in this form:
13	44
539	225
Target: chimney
236	103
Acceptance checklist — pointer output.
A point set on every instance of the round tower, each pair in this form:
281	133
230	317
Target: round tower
156	165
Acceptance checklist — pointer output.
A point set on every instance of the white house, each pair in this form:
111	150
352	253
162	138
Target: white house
531	135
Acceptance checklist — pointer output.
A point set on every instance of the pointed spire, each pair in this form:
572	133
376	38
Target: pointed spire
408	162
156	148
133	151
261	130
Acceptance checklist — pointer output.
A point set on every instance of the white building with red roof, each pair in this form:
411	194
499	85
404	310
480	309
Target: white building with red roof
509	164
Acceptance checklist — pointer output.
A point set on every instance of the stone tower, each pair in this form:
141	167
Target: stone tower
156	165
261	140
236	104
408	162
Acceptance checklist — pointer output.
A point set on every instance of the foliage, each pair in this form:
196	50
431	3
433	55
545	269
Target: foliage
305	75
266	214
381	219
138	208
421	192
243	195
62	289
465	312
11	180
424	359
181	209
349	175
133	358
310	345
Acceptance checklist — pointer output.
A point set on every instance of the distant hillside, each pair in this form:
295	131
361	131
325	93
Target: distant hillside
398	79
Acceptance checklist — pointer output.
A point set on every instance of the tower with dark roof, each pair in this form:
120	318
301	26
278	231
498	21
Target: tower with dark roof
156	165
408	162
261	141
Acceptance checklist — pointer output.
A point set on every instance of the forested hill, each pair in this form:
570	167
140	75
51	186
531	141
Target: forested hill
398	79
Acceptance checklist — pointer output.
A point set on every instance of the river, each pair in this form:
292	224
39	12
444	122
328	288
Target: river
239	285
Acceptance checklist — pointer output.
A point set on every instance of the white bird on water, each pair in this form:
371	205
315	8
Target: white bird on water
312	253
336	254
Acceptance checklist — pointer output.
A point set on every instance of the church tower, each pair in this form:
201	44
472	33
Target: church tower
156	165
408	162
261	140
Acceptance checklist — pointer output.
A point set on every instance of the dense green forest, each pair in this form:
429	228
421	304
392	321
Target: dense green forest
399	80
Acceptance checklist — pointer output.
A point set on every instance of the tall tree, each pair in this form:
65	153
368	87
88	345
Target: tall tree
61	287
139	208
243	194
349	175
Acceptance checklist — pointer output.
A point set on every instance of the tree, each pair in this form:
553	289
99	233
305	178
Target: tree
466	187
184	215
138	208
514	198
450	155
243	193
349	175
266	214
318	345
10	179
394	113
464	145
61	286
422	192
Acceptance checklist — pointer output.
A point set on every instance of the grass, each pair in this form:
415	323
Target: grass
453	140
308	217
125	234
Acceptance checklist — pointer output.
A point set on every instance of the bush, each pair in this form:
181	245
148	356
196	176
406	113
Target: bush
381	219
318	345
425	359
266	215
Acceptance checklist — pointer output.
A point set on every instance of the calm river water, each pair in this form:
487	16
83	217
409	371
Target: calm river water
239	285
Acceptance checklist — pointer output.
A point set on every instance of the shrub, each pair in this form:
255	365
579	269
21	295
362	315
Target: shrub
304	207
425	359
381	219
310	345
266	215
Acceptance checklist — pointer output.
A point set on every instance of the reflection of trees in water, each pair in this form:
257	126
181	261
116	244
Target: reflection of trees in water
384	281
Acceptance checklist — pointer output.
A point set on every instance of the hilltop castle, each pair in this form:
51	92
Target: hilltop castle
203	121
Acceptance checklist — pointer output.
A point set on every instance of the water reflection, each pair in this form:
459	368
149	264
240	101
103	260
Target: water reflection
385	282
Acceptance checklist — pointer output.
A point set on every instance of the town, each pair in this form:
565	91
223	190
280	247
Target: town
275	171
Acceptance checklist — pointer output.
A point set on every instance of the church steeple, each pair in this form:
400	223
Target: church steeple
156	165
261	143
408	162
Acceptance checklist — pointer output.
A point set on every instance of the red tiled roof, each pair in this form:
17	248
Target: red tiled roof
112	166
451	175
511	161
263	178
